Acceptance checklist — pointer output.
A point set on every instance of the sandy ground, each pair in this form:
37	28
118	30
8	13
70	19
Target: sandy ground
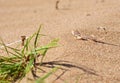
89	62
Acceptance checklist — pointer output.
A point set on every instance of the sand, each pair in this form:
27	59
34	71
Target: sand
93	62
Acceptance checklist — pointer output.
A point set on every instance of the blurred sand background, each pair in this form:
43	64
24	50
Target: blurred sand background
23	17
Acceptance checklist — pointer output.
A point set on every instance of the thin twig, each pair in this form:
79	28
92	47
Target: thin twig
23	38
15	42
57	3
78	36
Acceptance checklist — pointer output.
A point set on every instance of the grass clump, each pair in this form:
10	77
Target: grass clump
19	62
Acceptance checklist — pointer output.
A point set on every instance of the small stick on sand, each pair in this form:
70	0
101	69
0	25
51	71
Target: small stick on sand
57	7
23	38
78	36
12	43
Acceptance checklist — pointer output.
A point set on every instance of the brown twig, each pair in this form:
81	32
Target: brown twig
23	38
78	36
57	7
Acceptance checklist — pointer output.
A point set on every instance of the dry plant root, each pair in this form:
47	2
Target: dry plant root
78	36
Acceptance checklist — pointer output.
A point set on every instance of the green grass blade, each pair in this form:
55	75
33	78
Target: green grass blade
43	55
17	52
29	65
42	79
52	44
4	81
26	46
42	49
8	59
4	46
36	38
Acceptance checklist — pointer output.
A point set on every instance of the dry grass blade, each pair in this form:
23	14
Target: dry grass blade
78	36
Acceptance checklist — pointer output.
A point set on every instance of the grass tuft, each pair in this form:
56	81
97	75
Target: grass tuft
21	61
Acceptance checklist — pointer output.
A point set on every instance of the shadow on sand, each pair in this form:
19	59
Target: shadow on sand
64	66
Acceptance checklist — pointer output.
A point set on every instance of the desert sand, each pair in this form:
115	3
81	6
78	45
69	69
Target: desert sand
91	62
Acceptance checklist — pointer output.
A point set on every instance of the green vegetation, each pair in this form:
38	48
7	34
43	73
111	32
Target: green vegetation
19	62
